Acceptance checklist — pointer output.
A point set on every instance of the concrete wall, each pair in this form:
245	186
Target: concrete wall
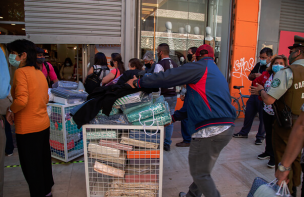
269	25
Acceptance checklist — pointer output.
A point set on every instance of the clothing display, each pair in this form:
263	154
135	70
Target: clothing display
159	120
145	101
117	119
68	94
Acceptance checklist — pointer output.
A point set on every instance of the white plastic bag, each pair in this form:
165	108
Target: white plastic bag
272	190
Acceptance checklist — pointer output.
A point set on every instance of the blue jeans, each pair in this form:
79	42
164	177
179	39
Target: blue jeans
169	129
253	106
9	148
186	135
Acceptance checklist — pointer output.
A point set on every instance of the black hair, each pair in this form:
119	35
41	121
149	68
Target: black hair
69	61
193	49
134	62
164	47
39	50
100	59
268	51
21	46
120	65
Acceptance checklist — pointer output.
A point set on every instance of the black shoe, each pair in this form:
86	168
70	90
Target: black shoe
263	156
238	135
271	163
182	194
166	147
258	142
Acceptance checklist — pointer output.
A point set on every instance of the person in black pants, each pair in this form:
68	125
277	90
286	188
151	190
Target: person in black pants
254	105
9	147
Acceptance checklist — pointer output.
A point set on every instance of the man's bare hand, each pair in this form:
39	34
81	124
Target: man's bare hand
257	75
182	97
130	82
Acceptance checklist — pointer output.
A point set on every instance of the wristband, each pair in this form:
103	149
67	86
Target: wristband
260	91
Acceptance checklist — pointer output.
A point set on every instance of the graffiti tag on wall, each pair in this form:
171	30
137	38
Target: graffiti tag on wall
241	69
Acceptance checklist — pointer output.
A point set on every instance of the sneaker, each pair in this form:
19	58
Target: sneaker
263	156
182	194
271	163
258	142
183	144
8	155
238	135
166	147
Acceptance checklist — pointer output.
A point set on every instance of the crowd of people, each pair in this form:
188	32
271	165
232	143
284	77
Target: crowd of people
207	116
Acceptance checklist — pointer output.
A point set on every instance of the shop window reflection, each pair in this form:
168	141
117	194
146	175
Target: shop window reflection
182	24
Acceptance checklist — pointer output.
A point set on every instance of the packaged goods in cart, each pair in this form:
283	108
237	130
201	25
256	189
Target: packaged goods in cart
159	120
104	150
113	144
119	183
145	101
69	94
131	98
68	85
113	112
146	112
118	119
138	143
108	170
102	134
130	192
145	136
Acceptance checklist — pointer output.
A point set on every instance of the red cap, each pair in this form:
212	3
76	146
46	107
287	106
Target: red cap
207	48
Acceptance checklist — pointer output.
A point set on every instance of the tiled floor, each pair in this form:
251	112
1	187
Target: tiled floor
233	174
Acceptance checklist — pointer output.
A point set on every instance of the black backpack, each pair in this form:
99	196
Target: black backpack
93	81
48	72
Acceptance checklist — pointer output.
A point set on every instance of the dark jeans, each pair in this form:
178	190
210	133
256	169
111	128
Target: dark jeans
35	159
203	154
2	155
268	123
9	148
186	135
302	192
253	106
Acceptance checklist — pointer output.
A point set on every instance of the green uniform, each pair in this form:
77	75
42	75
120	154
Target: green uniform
287	86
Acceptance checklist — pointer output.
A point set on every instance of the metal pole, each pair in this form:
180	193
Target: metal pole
77	64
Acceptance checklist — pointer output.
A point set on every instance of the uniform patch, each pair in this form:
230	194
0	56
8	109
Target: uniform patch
275	83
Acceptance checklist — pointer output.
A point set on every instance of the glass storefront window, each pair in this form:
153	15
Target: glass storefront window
12	17
181	24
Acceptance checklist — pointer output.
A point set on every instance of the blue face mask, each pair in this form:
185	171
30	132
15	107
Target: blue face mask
263	62
276	68
12	60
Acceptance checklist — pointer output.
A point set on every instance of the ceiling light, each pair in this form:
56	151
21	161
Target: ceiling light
1	17
144	20
23	29
13	24
75	48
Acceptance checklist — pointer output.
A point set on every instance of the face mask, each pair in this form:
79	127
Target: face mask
292	59
268	65
182	59
40	60
276	68
263	62
67	64
111	63
148	65
12	60
189	57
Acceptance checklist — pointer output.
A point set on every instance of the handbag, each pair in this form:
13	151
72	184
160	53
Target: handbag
283	117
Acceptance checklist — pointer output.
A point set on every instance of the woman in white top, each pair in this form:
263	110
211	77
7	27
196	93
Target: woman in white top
67	70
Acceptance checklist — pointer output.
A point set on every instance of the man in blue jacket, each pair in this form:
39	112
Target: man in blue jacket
4	91
210	114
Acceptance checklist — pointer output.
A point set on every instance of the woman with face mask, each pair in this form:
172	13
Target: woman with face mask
118	68
46	68
67	70
29	113
276	64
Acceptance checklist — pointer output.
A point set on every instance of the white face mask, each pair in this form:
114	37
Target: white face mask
268	65
67	64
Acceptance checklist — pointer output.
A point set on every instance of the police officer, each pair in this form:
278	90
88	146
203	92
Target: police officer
287	89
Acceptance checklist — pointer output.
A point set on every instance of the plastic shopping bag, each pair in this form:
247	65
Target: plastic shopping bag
261	188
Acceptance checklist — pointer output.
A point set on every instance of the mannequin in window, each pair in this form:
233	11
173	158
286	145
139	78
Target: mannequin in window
209	39
169	27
